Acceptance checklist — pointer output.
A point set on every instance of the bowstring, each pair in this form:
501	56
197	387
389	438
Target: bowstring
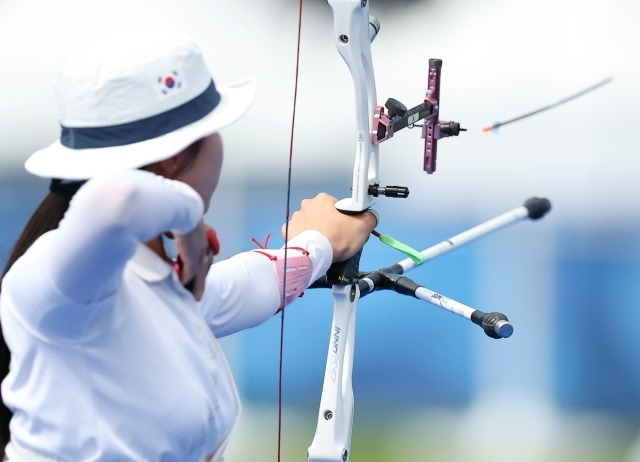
286	231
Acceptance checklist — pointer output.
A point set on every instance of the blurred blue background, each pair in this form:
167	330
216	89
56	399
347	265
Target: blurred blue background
428	385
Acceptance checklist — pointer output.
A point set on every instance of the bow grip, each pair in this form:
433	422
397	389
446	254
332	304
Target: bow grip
345	272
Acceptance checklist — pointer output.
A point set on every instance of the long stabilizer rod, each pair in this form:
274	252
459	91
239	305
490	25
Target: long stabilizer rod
533	208
495	325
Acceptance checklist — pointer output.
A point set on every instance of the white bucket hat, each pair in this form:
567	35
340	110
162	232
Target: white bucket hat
131	98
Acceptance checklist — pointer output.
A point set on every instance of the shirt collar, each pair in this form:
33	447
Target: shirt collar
148	265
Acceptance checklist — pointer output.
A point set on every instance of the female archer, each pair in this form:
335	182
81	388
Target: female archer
113	350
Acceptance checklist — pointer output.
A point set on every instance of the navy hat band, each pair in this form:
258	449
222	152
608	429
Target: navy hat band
144	129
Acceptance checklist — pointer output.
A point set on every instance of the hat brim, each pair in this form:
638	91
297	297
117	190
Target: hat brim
58	161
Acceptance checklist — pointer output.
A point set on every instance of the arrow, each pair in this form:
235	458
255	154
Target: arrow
496	125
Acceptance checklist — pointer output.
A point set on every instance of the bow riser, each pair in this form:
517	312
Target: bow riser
353	35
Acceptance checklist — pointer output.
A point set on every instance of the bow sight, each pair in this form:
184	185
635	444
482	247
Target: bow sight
355	29
399	117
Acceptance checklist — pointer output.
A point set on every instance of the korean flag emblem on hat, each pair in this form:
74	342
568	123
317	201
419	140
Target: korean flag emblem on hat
170	84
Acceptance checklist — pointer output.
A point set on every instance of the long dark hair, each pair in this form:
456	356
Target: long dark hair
47	217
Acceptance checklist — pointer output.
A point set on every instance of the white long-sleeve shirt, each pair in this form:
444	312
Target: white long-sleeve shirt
112	358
